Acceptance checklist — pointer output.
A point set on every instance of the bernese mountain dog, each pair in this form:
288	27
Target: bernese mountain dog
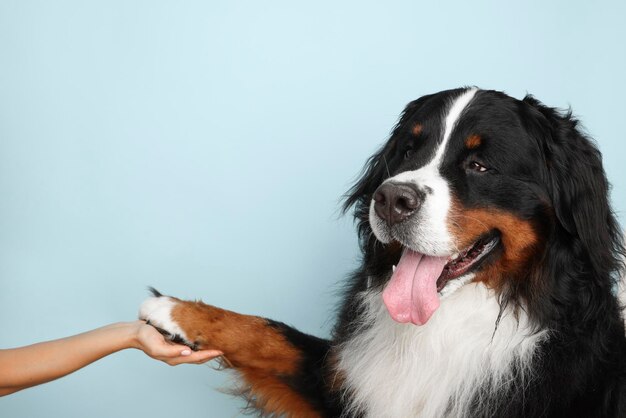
488	285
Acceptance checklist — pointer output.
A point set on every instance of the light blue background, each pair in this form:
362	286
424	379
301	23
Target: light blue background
202	147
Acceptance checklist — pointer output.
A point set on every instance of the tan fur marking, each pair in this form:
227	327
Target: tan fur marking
518	238
244	339
255	349
473	141
274	397
417	129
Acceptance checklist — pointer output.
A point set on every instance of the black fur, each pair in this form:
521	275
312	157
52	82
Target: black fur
154	292
313	374
543	170
569	286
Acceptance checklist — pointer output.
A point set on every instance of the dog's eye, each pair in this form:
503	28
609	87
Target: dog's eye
408	153
476	166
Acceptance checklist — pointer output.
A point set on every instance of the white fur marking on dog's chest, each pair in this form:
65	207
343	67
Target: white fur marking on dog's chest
401	370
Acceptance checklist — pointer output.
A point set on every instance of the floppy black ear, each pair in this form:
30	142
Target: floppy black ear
373	174
579	189
376	168
360	194
375	171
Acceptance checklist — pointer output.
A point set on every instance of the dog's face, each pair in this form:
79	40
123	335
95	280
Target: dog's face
465	190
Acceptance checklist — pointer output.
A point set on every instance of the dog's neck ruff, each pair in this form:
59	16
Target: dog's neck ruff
451	364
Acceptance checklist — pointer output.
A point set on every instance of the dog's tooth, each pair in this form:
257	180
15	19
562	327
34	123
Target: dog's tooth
454	255
393	268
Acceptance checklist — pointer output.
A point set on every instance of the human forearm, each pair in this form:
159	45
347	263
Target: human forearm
24	367
39	363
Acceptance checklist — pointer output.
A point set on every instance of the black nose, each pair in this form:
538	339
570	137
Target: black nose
394	202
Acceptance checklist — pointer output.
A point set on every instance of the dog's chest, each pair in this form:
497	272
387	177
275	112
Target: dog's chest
440	368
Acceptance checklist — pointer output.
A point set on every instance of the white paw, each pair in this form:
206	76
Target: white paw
157	311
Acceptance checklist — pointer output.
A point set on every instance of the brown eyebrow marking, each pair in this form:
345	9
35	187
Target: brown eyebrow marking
473	141
417	129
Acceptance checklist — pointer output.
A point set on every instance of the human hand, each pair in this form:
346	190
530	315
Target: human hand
151	342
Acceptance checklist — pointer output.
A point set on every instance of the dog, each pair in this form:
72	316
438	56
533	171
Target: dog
491	262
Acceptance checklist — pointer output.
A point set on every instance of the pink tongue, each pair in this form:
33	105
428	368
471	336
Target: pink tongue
411	294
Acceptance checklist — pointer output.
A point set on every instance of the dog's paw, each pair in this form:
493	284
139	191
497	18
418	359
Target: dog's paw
157	311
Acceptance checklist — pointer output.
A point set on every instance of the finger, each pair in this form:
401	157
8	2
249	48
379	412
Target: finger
172	350
205	355
197	357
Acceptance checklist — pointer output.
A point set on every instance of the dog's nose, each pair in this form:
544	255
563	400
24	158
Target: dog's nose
394	202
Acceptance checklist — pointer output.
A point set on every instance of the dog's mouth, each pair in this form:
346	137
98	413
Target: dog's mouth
467	261
419	280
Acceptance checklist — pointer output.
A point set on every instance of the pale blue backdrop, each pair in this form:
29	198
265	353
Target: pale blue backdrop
202	147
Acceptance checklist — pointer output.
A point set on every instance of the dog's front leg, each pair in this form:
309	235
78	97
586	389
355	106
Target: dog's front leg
282	369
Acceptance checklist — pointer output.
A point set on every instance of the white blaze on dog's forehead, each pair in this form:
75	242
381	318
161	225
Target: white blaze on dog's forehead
455	112
430	229
452	117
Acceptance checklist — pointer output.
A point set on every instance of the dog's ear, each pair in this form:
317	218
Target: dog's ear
578	187
373	174
376	168
360	194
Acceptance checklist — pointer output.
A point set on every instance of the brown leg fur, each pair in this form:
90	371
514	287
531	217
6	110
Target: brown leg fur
256	349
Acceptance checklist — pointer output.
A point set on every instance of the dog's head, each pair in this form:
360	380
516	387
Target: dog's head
472	186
